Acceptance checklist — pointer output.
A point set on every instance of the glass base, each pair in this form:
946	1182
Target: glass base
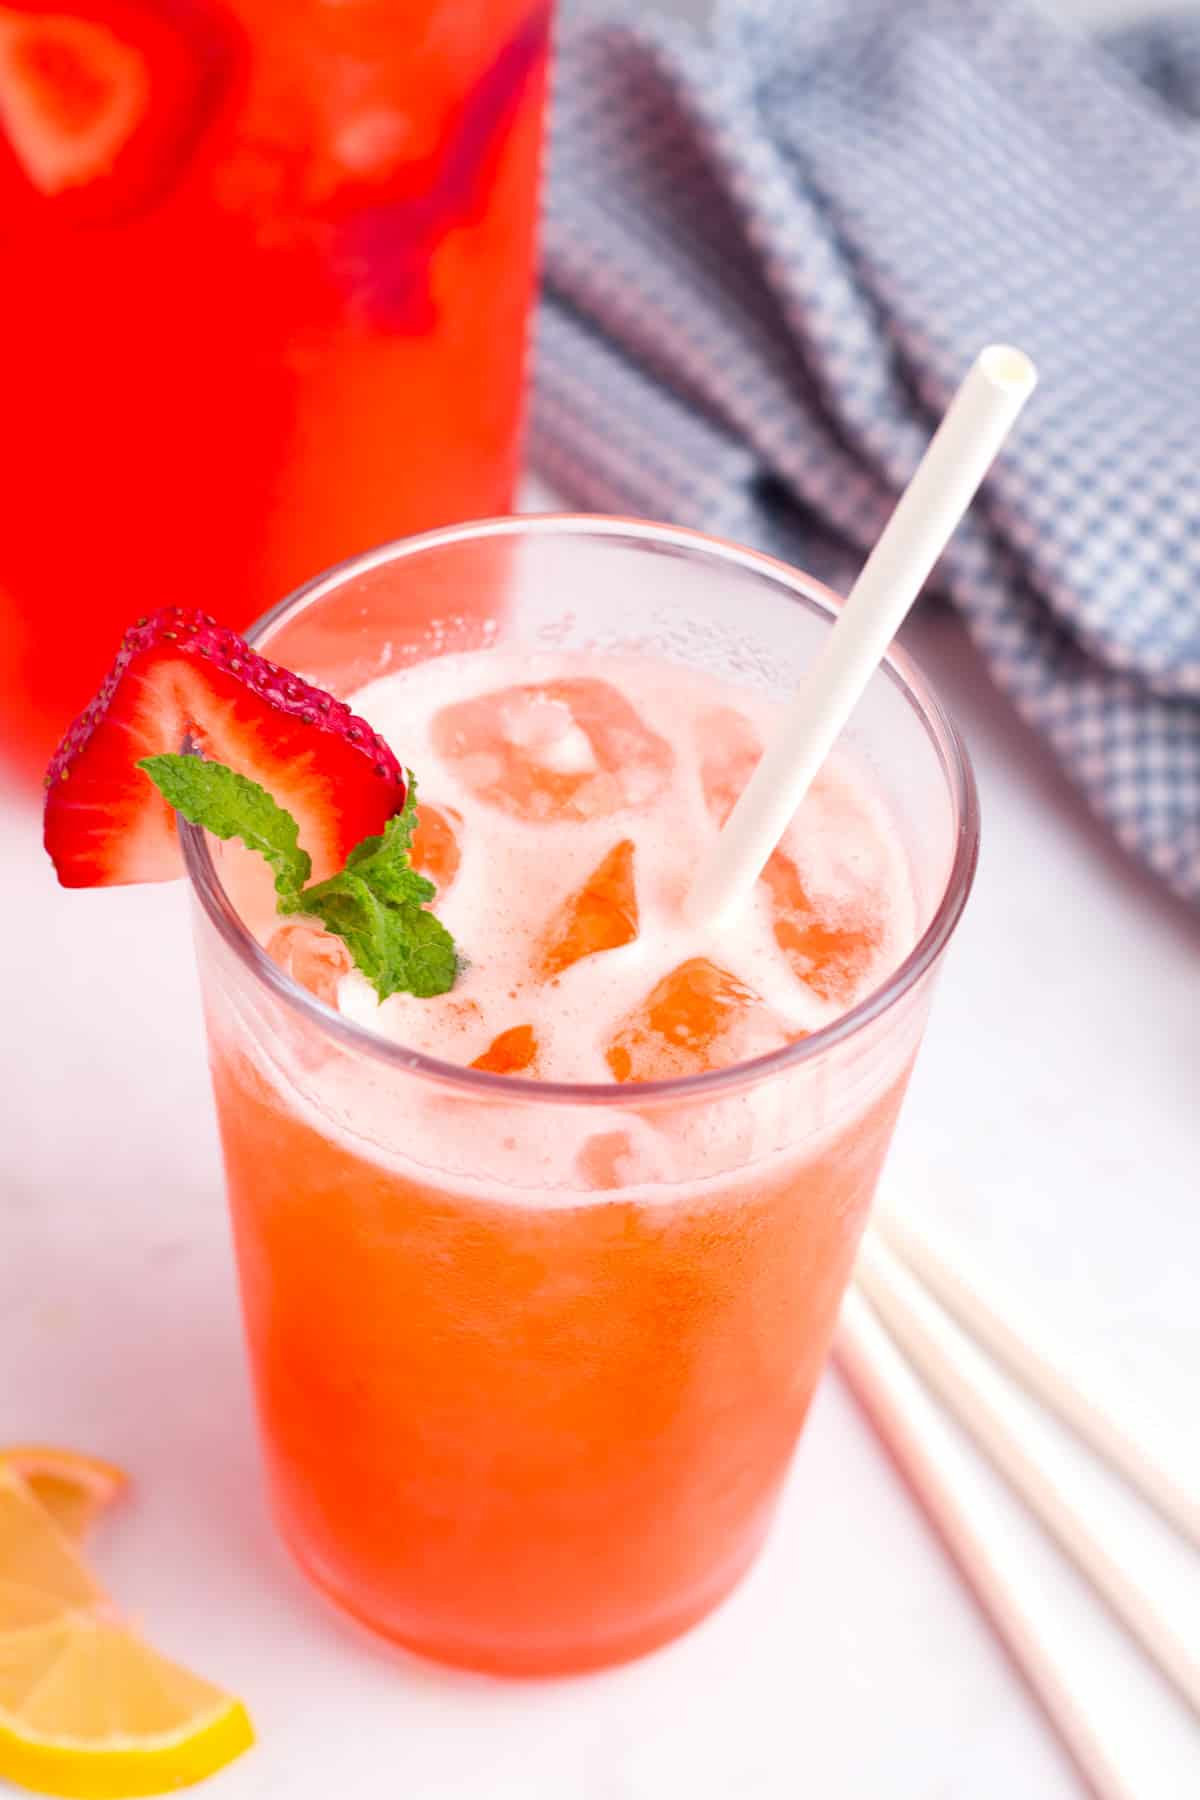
565	1658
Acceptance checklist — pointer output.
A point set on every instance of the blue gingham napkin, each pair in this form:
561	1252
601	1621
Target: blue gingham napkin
771	252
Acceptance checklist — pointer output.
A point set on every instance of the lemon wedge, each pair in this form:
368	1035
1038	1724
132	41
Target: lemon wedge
86	1708
72	1487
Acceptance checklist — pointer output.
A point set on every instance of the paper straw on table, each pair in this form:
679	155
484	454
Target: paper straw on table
959	455
908	1420
1015	1338
976	1394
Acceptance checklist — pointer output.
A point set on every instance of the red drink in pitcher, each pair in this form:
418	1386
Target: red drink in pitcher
264	277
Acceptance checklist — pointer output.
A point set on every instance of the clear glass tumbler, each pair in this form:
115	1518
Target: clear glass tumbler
542	1427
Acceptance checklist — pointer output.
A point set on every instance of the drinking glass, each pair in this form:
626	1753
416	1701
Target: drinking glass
531	1358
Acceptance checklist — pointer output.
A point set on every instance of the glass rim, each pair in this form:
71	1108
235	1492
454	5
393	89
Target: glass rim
897	667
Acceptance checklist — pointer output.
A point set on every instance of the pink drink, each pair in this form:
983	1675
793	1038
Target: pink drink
539	1276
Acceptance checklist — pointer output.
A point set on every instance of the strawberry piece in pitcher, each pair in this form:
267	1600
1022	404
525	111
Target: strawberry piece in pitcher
102	102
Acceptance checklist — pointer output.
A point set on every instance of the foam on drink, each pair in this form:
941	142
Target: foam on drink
556	768
565	798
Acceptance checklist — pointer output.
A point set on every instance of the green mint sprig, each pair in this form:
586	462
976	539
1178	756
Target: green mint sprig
376	904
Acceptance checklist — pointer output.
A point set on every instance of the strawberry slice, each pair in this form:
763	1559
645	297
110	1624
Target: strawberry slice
71	96
102	101
181	675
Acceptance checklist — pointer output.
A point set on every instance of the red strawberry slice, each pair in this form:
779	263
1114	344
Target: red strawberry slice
180	675
101	101
71	96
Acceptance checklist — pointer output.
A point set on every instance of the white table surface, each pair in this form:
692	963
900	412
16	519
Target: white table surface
1052	1124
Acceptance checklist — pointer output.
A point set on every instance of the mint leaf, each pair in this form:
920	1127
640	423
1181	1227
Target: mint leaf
397	834
376	904
232	806
432	956
399	948
348	908
383	862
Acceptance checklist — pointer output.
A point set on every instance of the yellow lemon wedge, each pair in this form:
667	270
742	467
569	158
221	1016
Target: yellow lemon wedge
87	1709
72	1487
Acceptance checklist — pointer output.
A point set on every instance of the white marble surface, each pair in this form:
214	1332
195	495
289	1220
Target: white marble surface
1052	1124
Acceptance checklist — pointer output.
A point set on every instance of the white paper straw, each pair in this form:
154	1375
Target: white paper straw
976	1394
962	450
1018	1341
909	1422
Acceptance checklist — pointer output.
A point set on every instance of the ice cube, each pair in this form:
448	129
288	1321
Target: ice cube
312	956
601	915
730	749
627	1156
436	850
607	1160
372	140
697	1018
514	1052
570	754
831	943
546	728
570	749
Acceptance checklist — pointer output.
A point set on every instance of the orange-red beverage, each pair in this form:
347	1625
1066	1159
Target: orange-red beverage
264	274
539	1276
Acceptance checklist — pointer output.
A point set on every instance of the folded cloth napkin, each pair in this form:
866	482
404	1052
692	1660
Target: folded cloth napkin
773	249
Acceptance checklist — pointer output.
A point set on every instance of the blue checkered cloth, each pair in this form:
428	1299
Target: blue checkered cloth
771	252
